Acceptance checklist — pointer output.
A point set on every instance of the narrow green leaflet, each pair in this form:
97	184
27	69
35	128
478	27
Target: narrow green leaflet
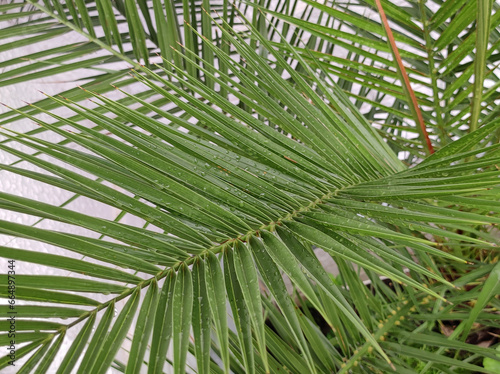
21	352
248	279
81	246
314	268
77	346
31	325
66	263
120	328
53	282
490	289
47	359
33	294
162	328
182	308
282	256
272	277
37	311
143	328
35	358
89	359
240	311
201	318
216	292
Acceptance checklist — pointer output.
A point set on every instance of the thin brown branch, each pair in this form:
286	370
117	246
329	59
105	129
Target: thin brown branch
404	76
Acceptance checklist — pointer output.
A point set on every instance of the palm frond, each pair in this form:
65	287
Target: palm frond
437	48
242	159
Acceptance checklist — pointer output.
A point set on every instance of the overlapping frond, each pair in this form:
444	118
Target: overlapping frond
238	185
450	50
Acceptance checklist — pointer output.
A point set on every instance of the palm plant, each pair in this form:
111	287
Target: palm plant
242	154
449	50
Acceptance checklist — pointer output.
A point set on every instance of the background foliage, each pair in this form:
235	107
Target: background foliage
265	131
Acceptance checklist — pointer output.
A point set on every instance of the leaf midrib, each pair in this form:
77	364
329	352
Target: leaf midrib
215	249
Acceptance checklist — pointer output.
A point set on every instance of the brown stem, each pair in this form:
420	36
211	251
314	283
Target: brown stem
404	76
